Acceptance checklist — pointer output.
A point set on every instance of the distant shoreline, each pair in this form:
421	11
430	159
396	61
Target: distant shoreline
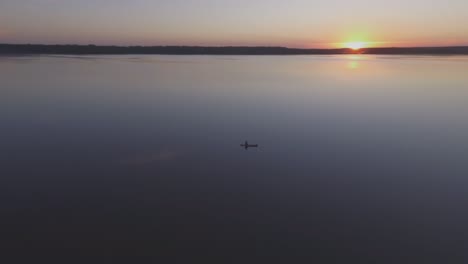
24	49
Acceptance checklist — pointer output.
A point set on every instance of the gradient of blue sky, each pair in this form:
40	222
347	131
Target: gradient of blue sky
296	23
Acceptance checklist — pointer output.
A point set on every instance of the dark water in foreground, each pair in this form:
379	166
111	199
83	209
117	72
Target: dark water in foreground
137	157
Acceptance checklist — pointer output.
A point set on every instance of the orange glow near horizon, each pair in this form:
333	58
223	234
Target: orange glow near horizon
355	45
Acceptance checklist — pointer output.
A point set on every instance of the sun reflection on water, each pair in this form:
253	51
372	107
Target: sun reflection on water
353	65
353	62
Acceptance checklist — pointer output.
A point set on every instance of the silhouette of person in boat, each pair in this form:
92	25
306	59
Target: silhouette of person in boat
246	145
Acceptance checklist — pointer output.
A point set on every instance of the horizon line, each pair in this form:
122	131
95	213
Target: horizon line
233	46
91	49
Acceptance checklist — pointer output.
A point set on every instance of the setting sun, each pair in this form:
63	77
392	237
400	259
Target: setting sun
355	45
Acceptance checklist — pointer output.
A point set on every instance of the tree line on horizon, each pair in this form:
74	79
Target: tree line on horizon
226	50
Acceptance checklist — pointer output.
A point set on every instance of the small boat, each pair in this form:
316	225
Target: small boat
246	145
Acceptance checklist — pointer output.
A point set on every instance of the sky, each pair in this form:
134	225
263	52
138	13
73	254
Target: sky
292	23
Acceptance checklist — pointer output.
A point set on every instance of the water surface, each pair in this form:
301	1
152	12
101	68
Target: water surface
361	158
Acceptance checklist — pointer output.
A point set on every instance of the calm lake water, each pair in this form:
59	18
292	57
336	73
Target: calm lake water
360	158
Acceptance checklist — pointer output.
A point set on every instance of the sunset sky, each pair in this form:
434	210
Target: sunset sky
292	23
